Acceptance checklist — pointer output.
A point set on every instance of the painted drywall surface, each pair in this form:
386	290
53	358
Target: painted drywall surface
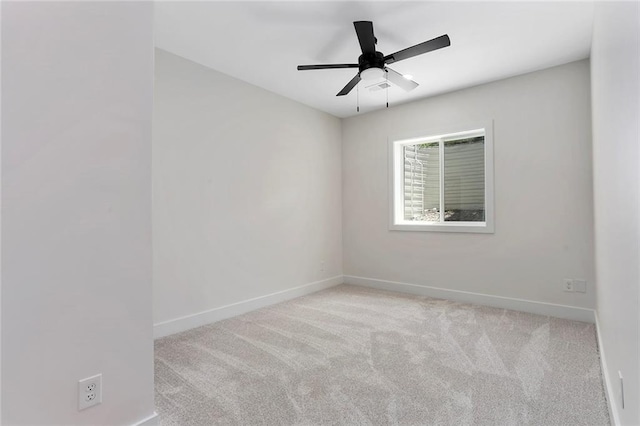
543	192
76	210
0	214
615	72
246	191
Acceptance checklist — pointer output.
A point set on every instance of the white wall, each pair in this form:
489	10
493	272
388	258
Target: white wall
615	75
76	210
246	191
543	192
0	213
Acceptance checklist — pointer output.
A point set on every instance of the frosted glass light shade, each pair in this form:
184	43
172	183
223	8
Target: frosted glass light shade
372	73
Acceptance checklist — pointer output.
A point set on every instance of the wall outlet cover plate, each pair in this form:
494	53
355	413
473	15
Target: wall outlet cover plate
89	392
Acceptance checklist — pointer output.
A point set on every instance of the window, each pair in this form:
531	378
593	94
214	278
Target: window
443	182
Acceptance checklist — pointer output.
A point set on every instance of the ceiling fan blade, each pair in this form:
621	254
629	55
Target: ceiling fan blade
399	80
418	49
364	30
325	66
350	85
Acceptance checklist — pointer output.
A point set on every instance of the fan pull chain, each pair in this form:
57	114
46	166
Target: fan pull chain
357	98
386	78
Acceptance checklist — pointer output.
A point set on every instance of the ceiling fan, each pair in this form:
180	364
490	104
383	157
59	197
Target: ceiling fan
372	64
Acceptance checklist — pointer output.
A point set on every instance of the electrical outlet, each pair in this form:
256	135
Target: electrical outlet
575	285
89	391
322	266
568	285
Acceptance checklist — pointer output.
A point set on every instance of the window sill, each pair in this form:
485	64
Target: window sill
468	227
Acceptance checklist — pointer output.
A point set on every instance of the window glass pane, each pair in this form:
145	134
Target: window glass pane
422	182
464	180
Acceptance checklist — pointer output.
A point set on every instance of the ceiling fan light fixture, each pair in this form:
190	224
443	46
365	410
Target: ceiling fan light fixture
372	73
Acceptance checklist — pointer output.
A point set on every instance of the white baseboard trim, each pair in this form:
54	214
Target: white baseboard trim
540	308
188	322
608	386
152	420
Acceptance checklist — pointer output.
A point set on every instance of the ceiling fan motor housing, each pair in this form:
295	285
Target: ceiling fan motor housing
371	60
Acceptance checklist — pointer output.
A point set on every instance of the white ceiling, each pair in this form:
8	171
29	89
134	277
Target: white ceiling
263	42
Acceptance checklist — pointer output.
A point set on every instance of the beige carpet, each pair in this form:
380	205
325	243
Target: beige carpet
355	356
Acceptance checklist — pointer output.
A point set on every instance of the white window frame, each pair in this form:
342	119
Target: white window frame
396	180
